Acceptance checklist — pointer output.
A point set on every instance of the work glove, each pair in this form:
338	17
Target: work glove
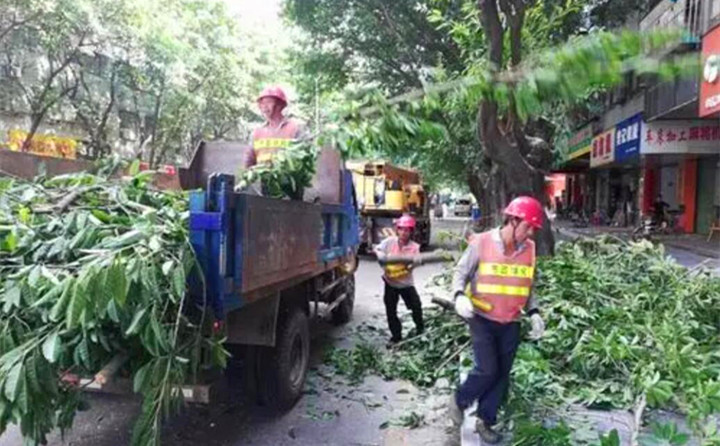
463	306
538	327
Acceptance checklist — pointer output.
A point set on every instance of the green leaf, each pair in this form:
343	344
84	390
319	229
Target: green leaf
31	373
134	168
21	397
116	283
59	308
167	267
12	382
51	348
12	297
10	243
78	303
134	327
154	244
159	334
34	276
112	312
179	281
84	353
139	380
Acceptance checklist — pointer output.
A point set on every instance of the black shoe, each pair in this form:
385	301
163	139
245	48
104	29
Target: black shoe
487	434
392	342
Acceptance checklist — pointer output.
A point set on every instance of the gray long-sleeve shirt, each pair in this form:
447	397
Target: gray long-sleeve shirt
467	267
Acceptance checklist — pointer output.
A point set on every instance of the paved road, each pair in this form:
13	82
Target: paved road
331	412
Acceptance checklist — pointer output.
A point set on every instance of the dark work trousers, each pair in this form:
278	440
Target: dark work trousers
494	346
412	302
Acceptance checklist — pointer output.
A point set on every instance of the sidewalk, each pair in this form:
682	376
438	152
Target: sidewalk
689	250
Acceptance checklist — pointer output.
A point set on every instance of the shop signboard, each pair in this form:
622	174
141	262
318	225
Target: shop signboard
627	138
678	137
579	143
710	85
603	148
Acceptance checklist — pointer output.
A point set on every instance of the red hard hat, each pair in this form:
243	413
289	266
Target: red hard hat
406	221
527	209
274	92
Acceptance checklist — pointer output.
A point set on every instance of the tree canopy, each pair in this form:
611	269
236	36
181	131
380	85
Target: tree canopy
146	79
487	110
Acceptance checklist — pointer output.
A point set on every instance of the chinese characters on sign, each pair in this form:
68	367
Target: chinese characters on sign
627	138
603	148
579	144
680	137
45	145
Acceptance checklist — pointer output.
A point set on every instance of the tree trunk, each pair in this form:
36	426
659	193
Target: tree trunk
156	119
503	136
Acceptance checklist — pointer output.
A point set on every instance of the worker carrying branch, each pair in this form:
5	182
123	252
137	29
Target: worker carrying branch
493	284
398	277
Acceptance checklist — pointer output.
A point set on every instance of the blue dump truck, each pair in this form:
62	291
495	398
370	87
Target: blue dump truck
271	266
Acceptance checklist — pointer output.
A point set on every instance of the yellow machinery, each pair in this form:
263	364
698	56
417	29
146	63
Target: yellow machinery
384	193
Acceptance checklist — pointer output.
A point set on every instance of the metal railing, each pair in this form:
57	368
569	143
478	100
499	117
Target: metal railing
684	14
665	97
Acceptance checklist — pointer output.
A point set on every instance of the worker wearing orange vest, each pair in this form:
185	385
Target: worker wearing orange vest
399	279
493	284
278	132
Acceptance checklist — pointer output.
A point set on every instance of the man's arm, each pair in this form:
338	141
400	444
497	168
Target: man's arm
465	269
381	249
531	307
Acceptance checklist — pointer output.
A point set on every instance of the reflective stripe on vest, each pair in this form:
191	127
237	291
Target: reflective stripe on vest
508	290
267	148
506	270
272	143
396	271
502	284
399	271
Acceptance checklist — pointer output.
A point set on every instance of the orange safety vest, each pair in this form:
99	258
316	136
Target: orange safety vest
400	271
268	141
502	284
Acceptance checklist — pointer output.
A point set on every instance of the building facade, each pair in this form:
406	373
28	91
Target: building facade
659	140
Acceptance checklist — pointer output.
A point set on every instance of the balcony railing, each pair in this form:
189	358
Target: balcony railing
683	14
666	97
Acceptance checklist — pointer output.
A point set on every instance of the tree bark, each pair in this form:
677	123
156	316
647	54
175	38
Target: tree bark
503	137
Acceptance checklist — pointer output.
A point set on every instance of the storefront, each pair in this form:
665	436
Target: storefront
602	155
680	166
575	166
625	187
708	168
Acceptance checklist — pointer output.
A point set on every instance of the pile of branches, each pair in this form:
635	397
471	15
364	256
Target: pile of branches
627	328
290	173
92	272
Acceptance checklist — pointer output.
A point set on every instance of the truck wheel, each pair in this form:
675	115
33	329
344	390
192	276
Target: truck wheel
343	313
283	369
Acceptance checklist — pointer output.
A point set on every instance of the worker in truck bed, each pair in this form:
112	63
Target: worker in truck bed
499	266
398	277
278	132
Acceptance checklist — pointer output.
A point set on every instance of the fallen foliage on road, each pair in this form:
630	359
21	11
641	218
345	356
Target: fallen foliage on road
627	328
93	270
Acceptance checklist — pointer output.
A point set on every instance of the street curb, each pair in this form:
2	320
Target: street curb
693	249
569	233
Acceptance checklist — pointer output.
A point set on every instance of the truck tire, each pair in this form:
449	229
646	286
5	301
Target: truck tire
283	368
343	313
